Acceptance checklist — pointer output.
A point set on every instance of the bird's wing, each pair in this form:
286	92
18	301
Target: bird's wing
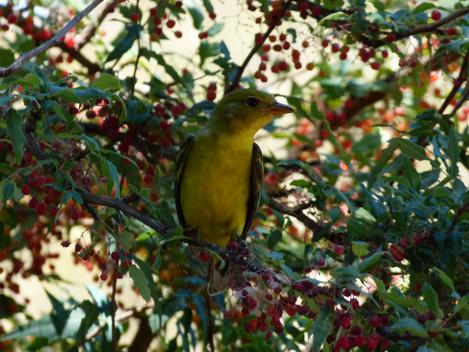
257	176
178	174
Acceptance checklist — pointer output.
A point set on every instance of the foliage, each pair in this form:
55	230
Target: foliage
361	241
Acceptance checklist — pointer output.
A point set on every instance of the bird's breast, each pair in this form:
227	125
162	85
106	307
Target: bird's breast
215	187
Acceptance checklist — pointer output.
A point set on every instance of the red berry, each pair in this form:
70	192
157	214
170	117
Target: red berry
26	190
325	43
339	250
436	15
12	18
211	95
115	255
103	276
171	23
178	34
375	321
203	35
451	31
204	256
134	17
77	247
212	15
375	65
41	209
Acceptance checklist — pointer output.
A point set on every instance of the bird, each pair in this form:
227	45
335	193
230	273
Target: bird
219	169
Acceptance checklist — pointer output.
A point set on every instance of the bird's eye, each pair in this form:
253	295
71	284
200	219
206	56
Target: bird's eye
252	102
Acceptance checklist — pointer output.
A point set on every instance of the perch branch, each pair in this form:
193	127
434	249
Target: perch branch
22	59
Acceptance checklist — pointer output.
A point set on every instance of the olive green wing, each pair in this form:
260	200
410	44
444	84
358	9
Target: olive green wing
181	160
255	185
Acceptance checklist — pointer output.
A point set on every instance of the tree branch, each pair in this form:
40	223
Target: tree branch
432	26
20	61
232	86
296	213
457	84
460	212
119	204
90	31
77	55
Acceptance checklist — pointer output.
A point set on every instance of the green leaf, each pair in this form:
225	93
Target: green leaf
360	248
15	132
424	6
140	281
410	149
207	50
197	17
367	263
364	215
44	327
106	81
215	29
453	154
125	43
6	57
444	278
31	80
411	326
332	18
431	298
321	328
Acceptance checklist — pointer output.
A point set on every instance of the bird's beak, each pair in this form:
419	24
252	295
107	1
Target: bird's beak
279	109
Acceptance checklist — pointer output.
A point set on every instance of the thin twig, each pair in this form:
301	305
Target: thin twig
296	213
432	26
20	61
460	212
233	84
90	31
457	84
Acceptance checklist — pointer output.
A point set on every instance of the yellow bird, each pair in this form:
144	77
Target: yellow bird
219	170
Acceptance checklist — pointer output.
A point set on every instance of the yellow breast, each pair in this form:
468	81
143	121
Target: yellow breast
215	186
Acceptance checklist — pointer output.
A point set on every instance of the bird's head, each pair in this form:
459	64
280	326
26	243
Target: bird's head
247	110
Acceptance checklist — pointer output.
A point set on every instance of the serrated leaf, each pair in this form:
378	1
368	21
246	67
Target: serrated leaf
410	149
106	81
15	132
140	282
411	326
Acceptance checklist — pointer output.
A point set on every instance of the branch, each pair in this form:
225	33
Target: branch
90	31
143	338
296	213
457	217
457	84
431	27
20	61
119	204
77	55
235	82
88	197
